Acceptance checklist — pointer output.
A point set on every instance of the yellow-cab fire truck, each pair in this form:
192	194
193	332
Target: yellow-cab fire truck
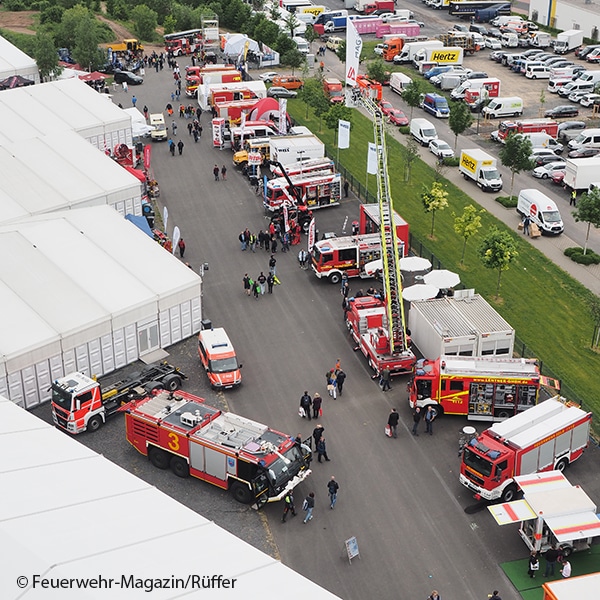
484	389
179	431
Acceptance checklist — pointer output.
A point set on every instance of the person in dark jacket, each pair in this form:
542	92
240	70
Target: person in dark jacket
534	564
416	419
309	505
341	377
306	403
317	433
393	422
332	487
385	380
551	557
288	506
316	404
322	449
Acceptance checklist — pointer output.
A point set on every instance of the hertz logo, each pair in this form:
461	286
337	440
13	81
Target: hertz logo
445	56
468	163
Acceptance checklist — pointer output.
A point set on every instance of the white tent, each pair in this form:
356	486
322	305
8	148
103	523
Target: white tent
139	127
60	172
68	512
15	62
56	106
62	278
235	44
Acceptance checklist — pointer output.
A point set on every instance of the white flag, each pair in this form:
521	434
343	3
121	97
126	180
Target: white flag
311	234
372	159
176	236
165	218
343	134
353	49
282	116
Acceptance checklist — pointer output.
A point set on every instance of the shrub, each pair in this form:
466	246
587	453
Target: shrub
404	129
451	161
576	255
507	201
15	5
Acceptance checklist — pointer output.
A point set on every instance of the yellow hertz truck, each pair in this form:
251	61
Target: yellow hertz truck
481	168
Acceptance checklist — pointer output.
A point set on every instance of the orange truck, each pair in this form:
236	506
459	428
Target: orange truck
392	47
369	88
333	90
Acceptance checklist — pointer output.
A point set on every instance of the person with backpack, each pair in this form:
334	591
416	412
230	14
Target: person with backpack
306	404
340	378
288	506
308	506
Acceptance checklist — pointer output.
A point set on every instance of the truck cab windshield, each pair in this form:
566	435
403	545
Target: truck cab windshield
282	471
490	174
224	365
551	216
477	463
61	397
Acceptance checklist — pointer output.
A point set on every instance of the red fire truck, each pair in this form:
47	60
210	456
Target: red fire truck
507	128
232	111
369	88
306	167
179	431
314	191
484	389
195	77
183	43
549	436
369	220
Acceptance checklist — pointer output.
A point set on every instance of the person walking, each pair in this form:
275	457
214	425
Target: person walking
429	418
332	487
243	240
146	112
181	246
317	433
224	172
216	172
288	506
306	404
171	147
247	284
270	282
303	259
256	290
434	596
180	146
340	377
551	557
262	280
308	506
533	564
133	101
346	187
272	263
385	380
332	384
190	128
566	569
195	134
416	420
273	244
393	422
174	128
322	449
526	225
495	595
573	198
316	405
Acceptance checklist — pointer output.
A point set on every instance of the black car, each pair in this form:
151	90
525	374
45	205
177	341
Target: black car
478	29
559	112
128	77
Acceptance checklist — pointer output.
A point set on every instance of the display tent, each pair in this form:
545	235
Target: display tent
15	62
85	290
60	172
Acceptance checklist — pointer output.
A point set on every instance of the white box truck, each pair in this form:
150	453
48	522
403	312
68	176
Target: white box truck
449	55
581	172
541	210
399	82
568	41
412	48
480	167
290	150
491	84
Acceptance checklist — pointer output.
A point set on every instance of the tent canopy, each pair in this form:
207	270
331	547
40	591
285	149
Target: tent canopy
235	44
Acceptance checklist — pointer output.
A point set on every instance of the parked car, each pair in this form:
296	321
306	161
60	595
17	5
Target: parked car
569	126
378	49
576	96
545	171
498	55
584	152
589	99
476	75
493	43
562	111
127	77
441	148
386	107
494	32
480	29
397	117
281	92
268	76
461	28
558	177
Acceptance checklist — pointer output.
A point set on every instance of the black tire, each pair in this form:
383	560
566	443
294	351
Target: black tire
94	423
153	386
172	382
544	175
503	414
335	278
534	77
566	551
561	465
241	493
465	176
509	493
438	410
179	466
159	458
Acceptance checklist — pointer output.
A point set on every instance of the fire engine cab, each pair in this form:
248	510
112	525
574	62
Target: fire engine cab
183	42
179	431
484	389
316	191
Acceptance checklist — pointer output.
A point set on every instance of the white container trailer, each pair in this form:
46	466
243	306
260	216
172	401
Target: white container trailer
581	172
289	150
568	41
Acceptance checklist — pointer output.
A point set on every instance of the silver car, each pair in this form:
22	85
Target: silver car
547	170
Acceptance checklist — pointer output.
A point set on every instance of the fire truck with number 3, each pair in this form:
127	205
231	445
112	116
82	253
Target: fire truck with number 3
179	431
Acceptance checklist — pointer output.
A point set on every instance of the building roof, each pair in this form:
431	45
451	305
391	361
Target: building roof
15	62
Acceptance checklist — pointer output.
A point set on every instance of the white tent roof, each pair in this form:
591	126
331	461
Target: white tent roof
139	127
236	42
83	259
58	106
15	62
56	533
59	172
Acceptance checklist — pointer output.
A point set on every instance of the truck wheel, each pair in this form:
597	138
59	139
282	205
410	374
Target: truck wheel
335	278
438	410
241	492
562	464
172	382
159	458
465	176
509	493
94	423
566	551
503	414
179	466
153	386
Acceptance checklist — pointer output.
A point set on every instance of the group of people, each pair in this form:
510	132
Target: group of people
263	283
222	172
553	555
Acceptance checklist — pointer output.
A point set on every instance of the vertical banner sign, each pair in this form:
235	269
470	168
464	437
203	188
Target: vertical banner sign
343	134
147	156
165	218
372	159
353	50
282	116
311	234
242	127
286	223
176	236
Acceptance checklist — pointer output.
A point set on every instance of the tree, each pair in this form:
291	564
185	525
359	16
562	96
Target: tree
497	251
467	225
542	102
87	38
341	51
169	24
293	58
410	153
412	94
266	32
377	71
291	23
45	55
335	113
311	92
594	305
588	211
145	21
434	199
460	120
515	155
311	35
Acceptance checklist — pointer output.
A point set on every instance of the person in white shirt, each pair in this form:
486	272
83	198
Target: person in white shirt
566	568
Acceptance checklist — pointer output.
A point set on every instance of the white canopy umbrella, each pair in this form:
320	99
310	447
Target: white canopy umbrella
414	263
420	291
442	278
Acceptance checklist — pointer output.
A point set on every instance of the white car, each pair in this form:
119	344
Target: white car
268	76
577	96
440	148
493	43
588	99
378	49
547	170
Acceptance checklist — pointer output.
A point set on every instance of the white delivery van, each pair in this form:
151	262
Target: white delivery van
423	131
585	87
589	76
399	82
543	140
588	137
504	107
541	210
537	72
555	84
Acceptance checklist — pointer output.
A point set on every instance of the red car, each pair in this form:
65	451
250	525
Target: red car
386	107
558	177
397	117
